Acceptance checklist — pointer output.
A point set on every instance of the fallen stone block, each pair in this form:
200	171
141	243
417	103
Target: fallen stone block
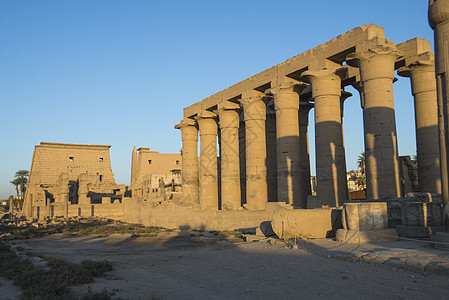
372	236
265	229
305	223
249	238
365	216
417	231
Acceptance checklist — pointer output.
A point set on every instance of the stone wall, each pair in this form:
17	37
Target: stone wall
313	223
66	177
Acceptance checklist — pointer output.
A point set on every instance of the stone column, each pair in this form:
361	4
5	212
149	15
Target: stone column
438	20
375	60
189	172
304	158
286	104
229	118
254	111
11	208
83	189
208	191
64	193
332	188
422	76
270	137
133	165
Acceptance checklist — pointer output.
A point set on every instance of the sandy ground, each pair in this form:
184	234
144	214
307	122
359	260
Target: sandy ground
173	266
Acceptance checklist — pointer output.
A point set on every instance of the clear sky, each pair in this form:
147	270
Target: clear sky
120	72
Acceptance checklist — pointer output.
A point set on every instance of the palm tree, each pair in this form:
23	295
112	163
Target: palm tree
16	184
22	176
361	181
20	180
361	162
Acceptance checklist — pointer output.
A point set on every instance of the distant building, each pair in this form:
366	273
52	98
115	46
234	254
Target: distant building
351	178
71	180
155	176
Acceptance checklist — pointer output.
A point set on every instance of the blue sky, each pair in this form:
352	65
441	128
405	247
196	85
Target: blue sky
120	72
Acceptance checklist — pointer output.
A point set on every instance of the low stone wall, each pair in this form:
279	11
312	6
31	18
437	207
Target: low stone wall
311	223
175	217
306	223
105	210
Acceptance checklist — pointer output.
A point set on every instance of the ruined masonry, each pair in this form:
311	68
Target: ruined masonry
261	169
68	180
262	126
156	176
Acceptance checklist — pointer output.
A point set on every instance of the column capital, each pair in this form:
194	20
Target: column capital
185	122
254	107
424	62
325	81
373	47
189	129
205	114
422	75
207	122
375	59
287	87
286	95
229	115
438	12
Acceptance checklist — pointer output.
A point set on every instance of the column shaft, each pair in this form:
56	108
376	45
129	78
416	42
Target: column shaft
255	144
230	166
189	132
208	192
381	150
332	187
304	162
438	20
286	104
423	83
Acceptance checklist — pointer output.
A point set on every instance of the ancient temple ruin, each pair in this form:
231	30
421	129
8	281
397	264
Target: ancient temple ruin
68	180
260	170
155	176
262	126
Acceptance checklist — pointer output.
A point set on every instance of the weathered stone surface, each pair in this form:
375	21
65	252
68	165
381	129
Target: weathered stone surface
365	216
372	236
417	231
422	214
441	240
265	229
249	238
68	180
153	171
304	223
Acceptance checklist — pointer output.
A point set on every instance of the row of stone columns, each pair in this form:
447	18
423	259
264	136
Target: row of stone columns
439	21
376	62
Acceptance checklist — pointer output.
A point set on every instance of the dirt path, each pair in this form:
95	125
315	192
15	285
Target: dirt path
172	266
